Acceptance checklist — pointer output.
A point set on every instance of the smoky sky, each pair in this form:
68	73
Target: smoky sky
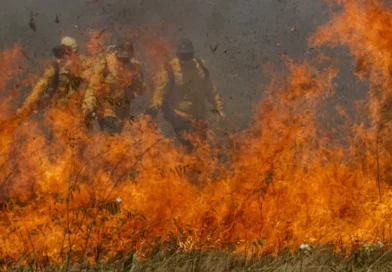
247	34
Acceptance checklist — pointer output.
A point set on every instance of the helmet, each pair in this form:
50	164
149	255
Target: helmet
185	46
71	42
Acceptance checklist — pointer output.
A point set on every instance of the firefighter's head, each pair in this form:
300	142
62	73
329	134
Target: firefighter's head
64	54
124	51
185	50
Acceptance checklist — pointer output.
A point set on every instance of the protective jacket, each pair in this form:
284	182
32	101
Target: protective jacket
181	90
113	86
56	86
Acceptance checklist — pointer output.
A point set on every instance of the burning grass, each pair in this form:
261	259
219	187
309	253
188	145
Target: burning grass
71	196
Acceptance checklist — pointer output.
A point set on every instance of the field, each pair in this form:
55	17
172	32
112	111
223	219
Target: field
317	259
302	188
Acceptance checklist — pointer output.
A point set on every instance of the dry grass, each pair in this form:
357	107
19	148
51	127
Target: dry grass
320	259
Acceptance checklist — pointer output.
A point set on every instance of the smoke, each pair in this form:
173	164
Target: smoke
237	38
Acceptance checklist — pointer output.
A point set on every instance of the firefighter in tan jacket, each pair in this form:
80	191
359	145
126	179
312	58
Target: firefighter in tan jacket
116	80
181	89
60	80
85	60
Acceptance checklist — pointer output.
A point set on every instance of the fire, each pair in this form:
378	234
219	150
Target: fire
365	27
159	51
10	64
70	194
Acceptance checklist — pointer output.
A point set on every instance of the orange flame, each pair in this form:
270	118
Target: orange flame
79	195
10	64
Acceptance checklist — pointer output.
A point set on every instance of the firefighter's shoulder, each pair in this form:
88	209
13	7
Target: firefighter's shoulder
51	69
175	62
174	65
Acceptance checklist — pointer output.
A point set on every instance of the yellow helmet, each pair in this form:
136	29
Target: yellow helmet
69	41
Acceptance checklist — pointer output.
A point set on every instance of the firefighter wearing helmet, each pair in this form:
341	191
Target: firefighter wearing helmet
116	80
85	60
60	81
182	87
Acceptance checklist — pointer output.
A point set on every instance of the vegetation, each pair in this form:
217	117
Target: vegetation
365	258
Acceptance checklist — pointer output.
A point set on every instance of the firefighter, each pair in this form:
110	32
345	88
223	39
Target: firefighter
116	80
181	89
61	79
86	61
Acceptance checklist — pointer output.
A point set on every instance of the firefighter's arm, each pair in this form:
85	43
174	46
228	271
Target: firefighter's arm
214	98
96	81
38	90
213	94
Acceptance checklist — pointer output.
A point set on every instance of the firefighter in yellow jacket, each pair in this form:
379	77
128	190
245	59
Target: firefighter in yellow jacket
61	79
117	79
85	61
180	93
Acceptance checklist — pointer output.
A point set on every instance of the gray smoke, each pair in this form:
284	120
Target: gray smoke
246	34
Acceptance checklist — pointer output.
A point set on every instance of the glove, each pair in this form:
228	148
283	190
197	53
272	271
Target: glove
89	118
111	124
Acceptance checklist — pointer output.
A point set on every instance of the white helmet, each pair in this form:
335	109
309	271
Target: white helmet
69	41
